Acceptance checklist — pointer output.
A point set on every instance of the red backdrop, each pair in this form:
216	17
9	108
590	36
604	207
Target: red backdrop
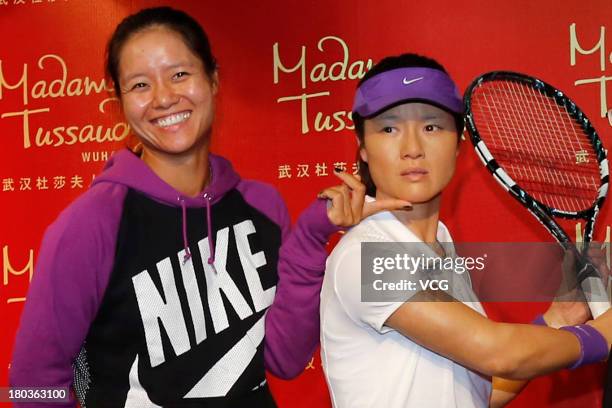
287	71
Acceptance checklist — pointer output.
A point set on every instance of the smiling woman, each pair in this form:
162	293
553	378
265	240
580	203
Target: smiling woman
169	100
158	286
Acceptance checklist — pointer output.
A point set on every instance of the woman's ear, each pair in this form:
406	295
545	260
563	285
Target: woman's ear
214	82
460	138
362	152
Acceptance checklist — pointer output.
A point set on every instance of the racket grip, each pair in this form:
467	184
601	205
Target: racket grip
596	295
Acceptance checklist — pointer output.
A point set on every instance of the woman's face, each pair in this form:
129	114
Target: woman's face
166	95
411	151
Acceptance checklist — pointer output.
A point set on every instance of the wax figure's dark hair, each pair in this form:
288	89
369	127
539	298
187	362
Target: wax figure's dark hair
187	27
407	60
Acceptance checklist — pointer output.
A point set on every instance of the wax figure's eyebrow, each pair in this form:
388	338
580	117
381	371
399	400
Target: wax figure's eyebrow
386	116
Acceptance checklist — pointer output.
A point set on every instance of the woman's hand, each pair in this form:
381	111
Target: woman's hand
597	257
566	313
569	307
348	206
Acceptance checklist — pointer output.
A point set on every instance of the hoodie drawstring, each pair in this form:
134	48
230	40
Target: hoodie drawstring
211	245
185	242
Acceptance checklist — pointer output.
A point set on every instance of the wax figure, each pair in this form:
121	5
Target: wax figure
429	348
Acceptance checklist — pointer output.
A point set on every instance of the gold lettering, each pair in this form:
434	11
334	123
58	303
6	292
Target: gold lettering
26	122
43	138
317	74
361	70
98	88
61	83
350	116
39	93
60	88
105	101
125	132
72	137
340	64
340	70
338	117
310	365
57	132
278	65
607	246
75	87
304	110
86	133
603	105
7	268
23	82
103	138
599	46
326	123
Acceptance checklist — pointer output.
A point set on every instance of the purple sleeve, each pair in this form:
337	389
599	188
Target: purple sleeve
292	321
72	270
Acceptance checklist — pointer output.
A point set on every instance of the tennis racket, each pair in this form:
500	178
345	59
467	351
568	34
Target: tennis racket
544	151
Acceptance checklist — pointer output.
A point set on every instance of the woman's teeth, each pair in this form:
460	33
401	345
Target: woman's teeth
172	119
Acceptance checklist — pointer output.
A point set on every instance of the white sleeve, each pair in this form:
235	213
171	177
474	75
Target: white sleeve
345	267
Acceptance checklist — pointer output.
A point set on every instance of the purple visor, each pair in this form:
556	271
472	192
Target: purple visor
407	84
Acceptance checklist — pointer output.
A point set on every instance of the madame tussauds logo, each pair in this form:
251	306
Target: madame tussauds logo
341	70
60	87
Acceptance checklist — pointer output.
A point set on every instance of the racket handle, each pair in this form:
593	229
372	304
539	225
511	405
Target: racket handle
596	295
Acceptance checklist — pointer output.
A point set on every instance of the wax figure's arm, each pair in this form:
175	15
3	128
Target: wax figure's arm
71	272
512	351
558	314
434	320
564	311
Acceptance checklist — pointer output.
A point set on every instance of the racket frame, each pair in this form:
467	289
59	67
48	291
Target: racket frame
542	212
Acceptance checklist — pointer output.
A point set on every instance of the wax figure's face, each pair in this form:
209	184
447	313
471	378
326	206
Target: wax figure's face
411	151
166	95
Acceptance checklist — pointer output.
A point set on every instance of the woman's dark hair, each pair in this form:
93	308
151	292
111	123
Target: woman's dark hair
408	60
191	32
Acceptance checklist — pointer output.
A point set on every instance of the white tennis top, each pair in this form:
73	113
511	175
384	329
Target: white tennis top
368	364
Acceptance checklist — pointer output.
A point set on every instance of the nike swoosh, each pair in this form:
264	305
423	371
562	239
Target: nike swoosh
406	81
224	374
137	396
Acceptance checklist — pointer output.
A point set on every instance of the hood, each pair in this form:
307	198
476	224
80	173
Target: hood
125	168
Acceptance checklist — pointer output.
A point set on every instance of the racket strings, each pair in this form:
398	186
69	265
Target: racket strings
537	142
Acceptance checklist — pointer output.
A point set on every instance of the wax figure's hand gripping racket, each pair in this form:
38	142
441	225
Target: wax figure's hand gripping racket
544	151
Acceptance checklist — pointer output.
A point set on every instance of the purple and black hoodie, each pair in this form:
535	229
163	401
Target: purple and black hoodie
144	298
